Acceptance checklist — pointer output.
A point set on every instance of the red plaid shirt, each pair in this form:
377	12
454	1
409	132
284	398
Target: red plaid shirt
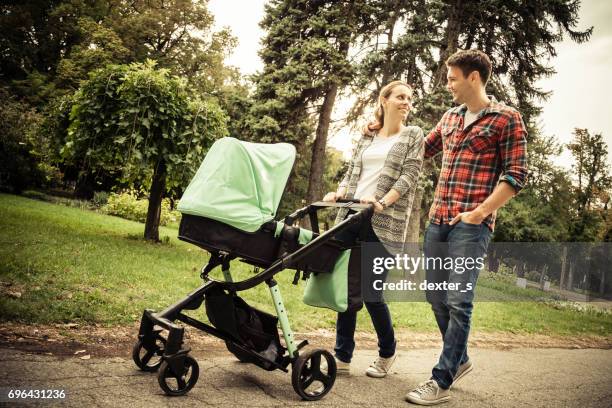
475	159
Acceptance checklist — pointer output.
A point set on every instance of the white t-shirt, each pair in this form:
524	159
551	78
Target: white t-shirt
372	162
470	117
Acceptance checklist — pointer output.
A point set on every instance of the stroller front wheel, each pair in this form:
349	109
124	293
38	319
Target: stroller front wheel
177	379
313	374
149	359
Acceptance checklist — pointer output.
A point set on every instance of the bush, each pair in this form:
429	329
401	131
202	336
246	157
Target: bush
35	195
127	205
100	198
66	201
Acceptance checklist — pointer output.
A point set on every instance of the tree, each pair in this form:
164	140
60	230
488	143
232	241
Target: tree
417	36
144	124
543	210
49	44
18	166
48	48
594	182
178	34
98	47
35	35
306	66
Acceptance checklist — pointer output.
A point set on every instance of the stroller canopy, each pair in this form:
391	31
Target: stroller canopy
239	183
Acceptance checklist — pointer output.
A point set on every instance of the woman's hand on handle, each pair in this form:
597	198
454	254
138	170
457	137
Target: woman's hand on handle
371	199
332	196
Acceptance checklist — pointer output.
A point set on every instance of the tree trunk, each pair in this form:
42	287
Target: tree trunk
158	186
317	166
85	186
453	29
493	261
563	268
520	272
570	279
542	275
390	28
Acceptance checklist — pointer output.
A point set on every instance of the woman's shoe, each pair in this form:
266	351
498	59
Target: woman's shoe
380	367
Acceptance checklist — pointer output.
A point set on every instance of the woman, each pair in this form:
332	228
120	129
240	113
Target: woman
384	170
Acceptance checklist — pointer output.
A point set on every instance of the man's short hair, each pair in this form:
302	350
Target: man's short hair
469	61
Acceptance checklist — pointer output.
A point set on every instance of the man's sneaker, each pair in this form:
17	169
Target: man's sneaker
380	367
428	393
342	368
464	369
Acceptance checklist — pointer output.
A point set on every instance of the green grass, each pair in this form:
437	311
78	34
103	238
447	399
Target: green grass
74	265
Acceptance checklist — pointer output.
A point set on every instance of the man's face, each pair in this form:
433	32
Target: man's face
459	86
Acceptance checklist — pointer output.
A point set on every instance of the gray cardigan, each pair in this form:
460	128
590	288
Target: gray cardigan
401	173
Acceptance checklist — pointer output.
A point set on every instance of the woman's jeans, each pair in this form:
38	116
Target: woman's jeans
378	310
453	308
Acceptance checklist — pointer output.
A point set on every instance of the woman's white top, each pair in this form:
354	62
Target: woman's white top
372	162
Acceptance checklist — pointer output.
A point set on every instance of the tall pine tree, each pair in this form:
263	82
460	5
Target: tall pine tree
306	66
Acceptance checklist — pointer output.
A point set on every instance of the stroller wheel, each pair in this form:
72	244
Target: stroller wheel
313	374
149	359
178	383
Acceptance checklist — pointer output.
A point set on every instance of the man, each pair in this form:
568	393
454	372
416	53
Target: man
483	166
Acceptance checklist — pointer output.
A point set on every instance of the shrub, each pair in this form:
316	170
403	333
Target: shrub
66	201
100	199
127	205
35	195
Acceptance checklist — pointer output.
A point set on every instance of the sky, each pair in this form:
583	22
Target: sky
581	86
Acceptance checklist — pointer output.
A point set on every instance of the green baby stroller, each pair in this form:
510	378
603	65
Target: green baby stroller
229	210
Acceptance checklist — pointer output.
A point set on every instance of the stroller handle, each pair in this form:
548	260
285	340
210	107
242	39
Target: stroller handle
351	200
352	204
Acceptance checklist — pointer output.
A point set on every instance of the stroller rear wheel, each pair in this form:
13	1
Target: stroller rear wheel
313	374
176	381
149	359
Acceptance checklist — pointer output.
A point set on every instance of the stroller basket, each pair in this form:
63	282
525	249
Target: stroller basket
250	327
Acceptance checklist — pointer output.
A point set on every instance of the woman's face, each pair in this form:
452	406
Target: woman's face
398	103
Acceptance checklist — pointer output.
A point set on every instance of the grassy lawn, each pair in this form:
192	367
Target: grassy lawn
73	265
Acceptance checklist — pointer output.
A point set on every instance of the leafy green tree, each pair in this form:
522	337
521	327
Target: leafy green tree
594	184
18	166
49	45
178	34
99	46
144	124
34	36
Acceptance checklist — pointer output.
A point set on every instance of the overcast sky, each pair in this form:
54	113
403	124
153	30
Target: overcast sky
581	87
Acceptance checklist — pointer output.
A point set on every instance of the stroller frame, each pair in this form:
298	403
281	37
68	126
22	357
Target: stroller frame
152	352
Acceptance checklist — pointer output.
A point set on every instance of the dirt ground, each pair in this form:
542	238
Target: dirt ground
64	340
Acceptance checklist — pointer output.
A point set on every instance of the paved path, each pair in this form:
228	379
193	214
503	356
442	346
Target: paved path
511	378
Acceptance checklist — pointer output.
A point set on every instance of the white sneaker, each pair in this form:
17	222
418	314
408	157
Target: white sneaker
380	367
428	393
342	368
464	369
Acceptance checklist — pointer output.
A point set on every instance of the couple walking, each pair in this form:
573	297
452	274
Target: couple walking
483	145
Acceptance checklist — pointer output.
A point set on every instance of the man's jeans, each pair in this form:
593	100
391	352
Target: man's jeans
453	308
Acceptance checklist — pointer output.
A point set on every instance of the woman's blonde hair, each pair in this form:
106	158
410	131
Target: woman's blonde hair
386	90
